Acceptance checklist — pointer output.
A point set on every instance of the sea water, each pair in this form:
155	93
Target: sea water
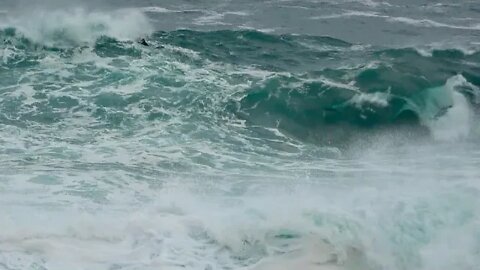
247	135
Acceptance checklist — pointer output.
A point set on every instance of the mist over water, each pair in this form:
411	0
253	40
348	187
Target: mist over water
246	135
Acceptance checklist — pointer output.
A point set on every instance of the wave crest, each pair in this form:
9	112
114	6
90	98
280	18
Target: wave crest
77	26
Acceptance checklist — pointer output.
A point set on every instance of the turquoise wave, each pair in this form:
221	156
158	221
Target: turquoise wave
317	89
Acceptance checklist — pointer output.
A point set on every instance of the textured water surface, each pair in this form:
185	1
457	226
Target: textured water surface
246	135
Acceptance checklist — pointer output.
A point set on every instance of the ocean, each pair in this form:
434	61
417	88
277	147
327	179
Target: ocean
251	135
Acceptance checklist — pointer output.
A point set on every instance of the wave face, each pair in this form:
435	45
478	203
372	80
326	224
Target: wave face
232	149
310	88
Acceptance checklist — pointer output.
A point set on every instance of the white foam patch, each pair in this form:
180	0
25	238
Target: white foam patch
237	13
349	86
432	23
456	124
263	30
135	86
155	9
352	13
191	53
212	18
379	99
26	92
451	258
371	3
215	18
7	53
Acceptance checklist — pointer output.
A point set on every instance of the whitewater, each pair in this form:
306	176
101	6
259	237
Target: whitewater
322	135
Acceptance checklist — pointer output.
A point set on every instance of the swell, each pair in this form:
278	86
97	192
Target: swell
317	89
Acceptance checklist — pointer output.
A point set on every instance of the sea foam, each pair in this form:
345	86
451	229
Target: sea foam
78	25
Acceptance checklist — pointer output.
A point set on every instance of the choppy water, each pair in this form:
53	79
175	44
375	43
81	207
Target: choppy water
247	135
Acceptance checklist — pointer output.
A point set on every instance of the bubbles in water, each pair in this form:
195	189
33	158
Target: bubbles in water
457	122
